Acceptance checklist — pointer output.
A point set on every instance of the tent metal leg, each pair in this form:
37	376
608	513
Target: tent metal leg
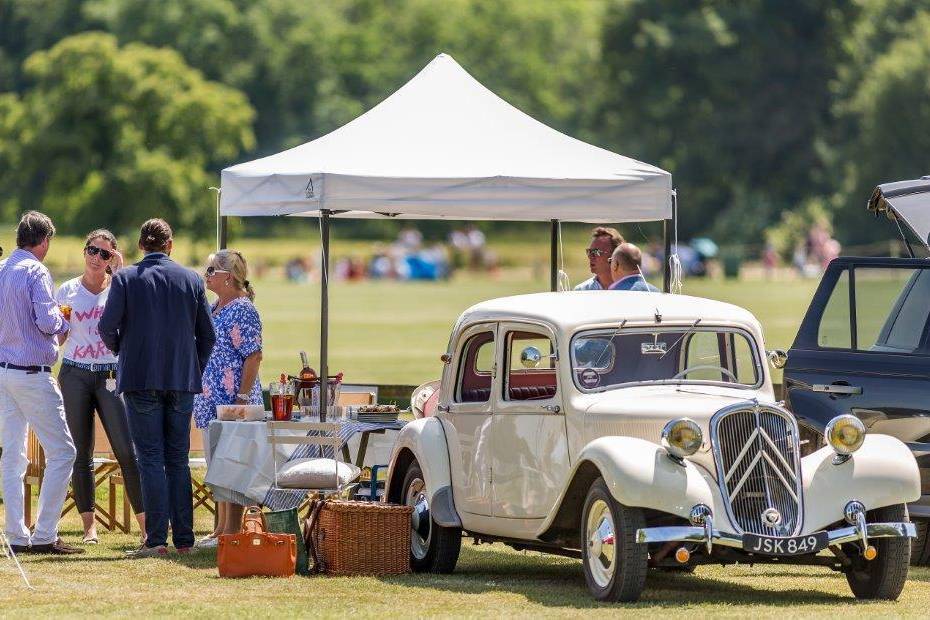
324	314
222	233
670	230
666	268
554	256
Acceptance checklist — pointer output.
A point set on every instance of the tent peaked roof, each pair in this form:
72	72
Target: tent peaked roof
444	146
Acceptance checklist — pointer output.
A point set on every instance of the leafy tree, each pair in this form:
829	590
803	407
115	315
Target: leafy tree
881	98
105	135
733	98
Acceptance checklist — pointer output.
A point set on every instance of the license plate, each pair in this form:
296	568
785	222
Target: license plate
785	545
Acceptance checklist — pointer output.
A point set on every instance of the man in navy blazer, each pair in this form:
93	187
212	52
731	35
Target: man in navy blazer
157	320
626	270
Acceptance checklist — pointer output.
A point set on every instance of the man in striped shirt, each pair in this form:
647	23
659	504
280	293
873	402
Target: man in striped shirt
29	395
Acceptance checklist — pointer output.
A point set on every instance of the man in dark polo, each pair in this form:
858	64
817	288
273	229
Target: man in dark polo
158	321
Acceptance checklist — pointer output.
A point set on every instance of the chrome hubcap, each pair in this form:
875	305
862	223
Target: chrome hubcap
600	537
420	522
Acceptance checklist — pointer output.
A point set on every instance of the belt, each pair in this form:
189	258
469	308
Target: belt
29	369
90	367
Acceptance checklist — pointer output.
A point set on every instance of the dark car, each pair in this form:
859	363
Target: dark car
864	345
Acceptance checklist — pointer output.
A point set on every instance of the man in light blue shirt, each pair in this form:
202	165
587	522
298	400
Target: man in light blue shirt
625	268
603	242
29	395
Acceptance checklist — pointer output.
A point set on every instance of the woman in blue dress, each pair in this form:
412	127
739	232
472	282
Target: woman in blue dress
231	375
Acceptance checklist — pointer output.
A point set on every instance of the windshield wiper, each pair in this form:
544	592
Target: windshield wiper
682	337
608	342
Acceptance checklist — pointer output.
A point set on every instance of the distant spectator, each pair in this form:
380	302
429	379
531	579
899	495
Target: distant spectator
410	238
476	247
603	243
625	269
769	260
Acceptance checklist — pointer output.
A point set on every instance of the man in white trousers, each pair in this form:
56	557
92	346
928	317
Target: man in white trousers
29	395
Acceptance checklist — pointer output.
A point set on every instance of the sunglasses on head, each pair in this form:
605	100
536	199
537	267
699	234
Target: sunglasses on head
93	250
593	252
212	271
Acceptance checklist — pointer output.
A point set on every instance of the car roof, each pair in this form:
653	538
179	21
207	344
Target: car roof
572	309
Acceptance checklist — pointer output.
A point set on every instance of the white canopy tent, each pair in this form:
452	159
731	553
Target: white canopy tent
444	146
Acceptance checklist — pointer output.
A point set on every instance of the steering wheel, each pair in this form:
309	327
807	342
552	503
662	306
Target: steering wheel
687	371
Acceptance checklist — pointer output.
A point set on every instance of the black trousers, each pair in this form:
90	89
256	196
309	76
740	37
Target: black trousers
85	392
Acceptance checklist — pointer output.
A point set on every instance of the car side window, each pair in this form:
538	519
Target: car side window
525	379
891	307
834	331
476	369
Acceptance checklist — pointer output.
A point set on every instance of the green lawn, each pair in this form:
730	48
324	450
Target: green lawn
389	332
489	581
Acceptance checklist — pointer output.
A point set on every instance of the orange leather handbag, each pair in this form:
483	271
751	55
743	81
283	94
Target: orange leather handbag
254	552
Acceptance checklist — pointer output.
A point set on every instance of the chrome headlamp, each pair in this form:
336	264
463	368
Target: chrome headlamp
682	437
845	434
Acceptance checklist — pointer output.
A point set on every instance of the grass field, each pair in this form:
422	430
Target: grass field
489	581
394	332
386	332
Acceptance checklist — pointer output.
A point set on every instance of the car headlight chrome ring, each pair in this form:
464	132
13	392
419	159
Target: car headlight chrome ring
682	437
845	434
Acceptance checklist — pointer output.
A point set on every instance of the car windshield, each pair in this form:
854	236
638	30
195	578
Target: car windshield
607	358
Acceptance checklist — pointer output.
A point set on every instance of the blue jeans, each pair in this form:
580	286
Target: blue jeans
160	423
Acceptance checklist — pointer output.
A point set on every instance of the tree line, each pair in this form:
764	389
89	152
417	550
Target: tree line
766	112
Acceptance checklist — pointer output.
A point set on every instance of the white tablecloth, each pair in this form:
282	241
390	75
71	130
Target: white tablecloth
241	465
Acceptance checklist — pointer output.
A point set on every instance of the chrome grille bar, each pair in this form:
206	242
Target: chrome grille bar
758	467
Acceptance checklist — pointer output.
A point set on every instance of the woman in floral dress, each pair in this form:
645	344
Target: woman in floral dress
231	375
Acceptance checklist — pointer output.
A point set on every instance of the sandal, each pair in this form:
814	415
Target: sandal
90	540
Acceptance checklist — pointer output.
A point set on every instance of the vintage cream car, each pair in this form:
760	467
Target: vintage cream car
640	430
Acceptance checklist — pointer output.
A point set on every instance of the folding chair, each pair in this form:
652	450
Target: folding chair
321	434
201	492
106	470
35	469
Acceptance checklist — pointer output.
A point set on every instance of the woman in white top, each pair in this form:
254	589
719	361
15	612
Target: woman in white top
88	380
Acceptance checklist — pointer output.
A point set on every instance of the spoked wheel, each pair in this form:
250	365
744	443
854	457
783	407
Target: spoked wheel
614	563
884	576
433	548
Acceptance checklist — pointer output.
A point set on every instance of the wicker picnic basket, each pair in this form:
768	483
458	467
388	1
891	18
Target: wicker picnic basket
361	538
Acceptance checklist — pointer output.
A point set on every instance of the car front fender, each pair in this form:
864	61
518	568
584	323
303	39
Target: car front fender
425	440
638	473
881	473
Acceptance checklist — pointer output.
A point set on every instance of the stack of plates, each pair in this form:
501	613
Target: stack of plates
390	416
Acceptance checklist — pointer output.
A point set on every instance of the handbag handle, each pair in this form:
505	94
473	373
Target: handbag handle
253	515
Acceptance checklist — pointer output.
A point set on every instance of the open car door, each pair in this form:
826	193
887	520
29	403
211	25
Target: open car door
863	350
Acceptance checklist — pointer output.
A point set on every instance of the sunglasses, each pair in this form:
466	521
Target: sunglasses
93	250
594	252
212	271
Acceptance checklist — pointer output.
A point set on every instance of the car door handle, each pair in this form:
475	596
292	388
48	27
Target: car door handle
552	408
835	388
443	408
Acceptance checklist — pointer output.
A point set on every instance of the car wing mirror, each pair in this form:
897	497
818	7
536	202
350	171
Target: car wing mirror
777	357
530	357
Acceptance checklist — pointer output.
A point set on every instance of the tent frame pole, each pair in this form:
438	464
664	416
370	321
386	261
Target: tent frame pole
222	233
324	313
554	256
668	231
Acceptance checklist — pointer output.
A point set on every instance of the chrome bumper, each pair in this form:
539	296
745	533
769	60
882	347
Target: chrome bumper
716	537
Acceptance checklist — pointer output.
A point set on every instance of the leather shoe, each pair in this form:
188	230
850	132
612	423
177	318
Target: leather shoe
59	547
21	548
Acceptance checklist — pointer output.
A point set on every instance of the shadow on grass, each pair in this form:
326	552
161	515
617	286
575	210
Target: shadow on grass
557	582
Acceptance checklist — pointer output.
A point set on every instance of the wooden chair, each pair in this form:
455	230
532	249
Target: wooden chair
35	469
201	492
106	470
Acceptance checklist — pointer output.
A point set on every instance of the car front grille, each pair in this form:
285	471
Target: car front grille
759	469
